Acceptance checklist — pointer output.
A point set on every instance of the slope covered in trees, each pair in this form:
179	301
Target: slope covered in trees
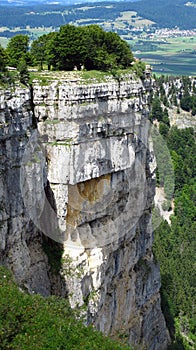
175	249
165	13
175	244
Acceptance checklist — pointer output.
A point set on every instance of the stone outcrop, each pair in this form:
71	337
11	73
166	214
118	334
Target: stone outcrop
84	177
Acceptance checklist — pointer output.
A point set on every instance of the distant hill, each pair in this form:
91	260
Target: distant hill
46	13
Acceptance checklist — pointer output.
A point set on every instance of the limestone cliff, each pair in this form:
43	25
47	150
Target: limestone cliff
20	243
77	168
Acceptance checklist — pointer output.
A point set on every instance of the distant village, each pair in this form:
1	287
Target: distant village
172	33
151	32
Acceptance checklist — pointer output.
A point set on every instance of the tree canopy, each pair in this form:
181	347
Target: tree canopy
18	48
3	59
174	245
88	46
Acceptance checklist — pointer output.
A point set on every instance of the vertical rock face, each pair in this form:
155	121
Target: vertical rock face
20	244
87	178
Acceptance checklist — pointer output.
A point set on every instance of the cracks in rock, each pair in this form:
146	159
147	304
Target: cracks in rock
34	119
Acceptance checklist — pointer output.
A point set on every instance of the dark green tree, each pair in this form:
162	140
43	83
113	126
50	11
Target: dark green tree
163	129
165	117
18	48
165	101
38	50
3	59
88	46
139	68
23	71
119	48
193	112
68	48
174	100
186	102
156	109
96	50
194	88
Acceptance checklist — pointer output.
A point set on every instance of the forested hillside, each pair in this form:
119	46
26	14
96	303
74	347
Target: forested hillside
165	13
175	244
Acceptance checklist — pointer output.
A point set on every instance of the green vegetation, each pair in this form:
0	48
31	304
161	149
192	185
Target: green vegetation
133	21
169	56
72	48
163	13
31	322
17	49
23	71
85	52
54	252
174	245
88	46
188	102
88	54
3	59
15	55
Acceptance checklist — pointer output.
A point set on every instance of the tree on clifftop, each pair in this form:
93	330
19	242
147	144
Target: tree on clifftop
68	48
18	48
3	59
105	50
88	46
38	50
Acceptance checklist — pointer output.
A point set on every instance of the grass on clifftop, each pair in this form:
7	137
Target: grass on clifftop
45	77
31	322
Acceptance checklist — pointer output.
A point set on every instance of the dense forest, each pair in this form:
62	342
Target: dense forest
175	244
165	13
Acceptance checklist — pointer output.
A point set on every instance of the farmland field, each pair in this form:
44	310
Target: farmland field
170	56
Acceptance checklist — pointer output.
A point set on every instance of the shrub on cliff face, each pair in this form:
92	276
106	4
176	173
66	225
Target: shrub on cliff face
36	323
